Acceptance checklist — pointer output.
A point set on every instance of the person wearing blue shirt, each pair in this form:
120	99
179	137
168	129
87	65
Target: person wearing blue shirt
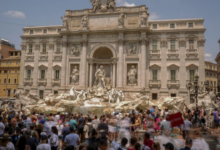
152	112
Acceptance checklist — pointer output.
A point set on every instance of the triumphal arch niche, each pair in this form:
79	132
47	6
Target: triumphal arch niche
111	43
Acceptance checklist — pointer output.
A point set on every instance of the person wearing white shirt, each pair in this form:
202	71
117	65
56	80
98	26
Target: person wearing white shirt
2	127
57	117
44	145
54	140
198	142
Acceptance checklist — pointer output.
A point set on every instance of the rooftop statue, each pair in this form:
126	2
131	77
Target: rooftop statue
103	5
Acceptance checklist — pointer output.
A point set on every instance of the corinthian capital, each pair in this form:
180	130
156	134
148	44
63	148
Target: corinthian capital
144	41
64	43
23	46
121	41
201	42
84	42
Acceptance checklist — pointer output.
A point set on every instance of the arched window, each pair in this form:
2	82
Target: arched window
15	80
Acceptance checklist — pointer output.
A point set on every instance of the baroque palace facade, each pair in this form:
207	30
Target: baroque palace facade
160	56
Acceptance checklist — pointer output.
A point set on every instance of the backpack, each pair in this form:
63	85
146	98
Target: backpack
90	129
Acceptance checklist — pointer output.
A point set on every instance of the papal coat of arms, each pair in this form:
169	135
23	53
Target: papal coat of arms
103	5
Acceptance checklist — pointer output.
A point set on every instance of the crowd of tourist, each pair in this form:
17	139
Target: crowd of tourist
136	130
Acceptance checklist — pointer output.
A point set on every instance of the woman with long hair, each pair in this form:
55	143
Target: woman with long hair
54	140
156	146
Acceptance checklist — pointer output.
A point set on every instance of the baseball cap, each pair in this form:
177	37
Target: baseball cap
169	146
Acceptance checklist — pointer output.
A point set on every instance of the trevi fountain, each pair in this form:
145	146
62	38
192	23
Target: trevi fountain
103	99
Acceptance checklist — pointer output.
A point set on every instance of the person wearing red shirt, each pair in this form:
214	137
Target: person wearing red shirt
147	141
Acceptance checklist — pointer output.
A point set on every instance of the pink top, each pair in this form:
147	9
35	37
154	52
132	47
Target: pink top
156	124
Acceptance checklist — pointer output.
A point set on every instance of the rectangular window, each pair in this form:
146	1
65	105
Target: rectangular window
154	26
42	75
16	62
211	83
44	48
154	96
190	25
172	44
16	71
14	91
0	63
192	75
154	72
173	95
173	75
9	80
57	74
58	47
5	71
45	30
0	71
59	30
4	80
55	92
191	44
30	48
154	44
6	62
15	80
9	71
41	94
28	74
210	67
215	83
10	62
172	25
31	31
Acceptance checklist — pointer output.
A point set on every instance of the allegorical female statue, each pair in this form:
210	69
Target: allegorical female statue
100	78
75	75
132	76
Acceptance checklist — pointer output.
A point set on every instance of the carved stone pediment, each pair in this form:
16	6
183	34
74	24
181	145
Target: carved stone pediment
155	66
173	66
42	67
57	67
29	67
44	41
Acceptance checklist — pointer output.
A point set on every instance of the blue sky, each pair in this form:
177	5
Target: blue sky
16	14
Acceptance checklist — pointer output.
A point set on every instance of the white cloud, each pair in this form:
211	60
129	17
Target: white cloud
154	16
209	57
124	3
15	14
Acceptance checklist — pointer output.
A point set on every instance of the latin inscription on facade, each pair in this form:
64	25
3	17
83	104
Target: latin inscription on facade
103	21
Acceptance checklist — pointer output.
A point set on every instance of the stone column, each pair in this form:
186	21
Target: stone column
36	60
82	78
201	51
120	64
113	85
22	70
143	63
90	74
50	67
63	67
182	70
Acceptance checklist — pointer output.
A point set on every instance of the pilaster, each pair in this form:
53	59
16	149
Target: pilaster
120	63
64	59
83	68
21	78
